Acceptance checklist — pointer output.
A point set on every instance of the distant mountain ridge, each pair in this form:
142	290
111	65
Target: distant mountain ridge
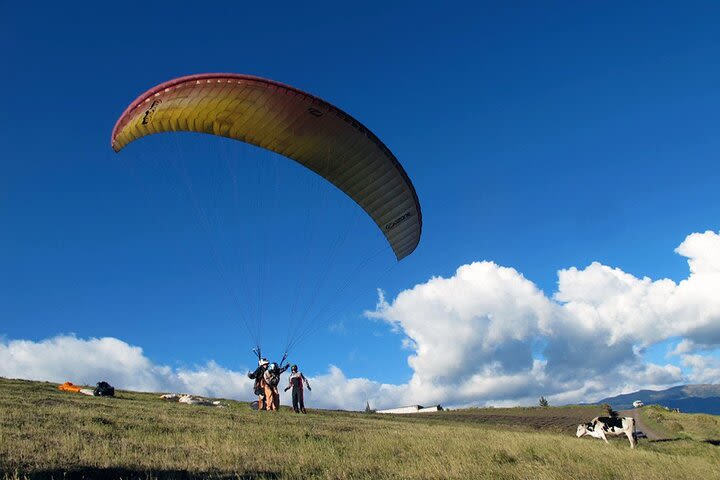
703	398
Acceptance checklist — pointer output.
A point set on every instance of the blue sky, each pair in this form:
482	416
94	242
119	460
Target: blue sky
538	137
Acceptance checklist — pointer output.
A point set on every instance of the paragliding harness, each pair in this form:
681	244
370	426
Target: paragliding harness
258	376
273	380
104	389
257	388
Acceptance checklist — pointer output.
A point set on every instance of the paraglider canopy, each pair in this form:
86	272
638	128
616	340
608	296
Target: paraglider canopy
293	123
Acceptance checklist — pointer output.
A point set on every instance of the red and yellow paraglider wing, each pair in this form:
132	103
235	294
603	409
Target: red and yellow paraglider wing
292	123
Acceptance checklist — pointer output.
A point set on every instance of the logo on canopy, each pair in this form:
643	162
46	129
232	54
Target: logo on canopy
398	221
147	118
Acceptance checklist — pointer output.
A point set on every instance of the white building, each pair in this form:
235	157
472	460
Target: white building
412	409
638	403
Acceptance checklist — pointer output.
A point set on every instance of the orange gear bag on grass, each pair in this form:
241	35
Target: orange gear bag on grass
69	387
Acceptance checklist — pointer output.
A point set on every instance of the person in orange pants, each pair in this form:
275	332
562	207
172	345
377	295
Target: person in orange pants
271	380
272	399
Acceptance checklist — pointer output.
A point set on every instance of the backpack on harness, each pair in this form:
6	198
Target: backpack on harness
104	389
257	388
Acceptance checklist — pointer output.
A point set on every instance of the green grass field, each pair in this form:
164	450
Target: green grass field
46	433
694	426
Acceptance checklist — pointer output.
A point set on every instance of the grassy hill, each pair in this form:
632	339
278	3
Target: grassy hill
45	433
699	427
688	398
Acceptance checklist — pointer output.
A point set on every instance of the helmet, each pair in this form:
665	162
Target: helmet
293	368
262	361
273	367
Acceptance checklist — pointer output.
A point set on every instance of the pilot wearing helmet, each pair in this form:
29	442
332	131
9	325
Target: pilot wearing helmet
296	381
259	387
271	378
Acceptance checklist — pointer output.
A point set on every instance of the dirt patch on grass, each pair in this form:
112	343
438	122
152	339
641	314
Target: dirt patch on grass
552	419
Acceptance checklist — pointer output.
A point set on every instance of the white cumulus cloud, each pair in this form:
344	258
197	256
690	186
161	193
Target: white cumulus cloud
87	361
480	335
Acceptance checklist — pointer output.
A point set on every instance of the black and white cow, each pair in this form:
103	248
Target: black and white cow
600	426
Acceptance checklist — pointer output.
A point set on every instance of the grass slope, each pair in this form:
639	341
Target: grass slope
45	433
697	426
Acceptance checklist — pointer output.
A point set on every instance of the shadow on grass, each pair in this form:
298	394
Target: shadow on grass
713	442
91	473
663	440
